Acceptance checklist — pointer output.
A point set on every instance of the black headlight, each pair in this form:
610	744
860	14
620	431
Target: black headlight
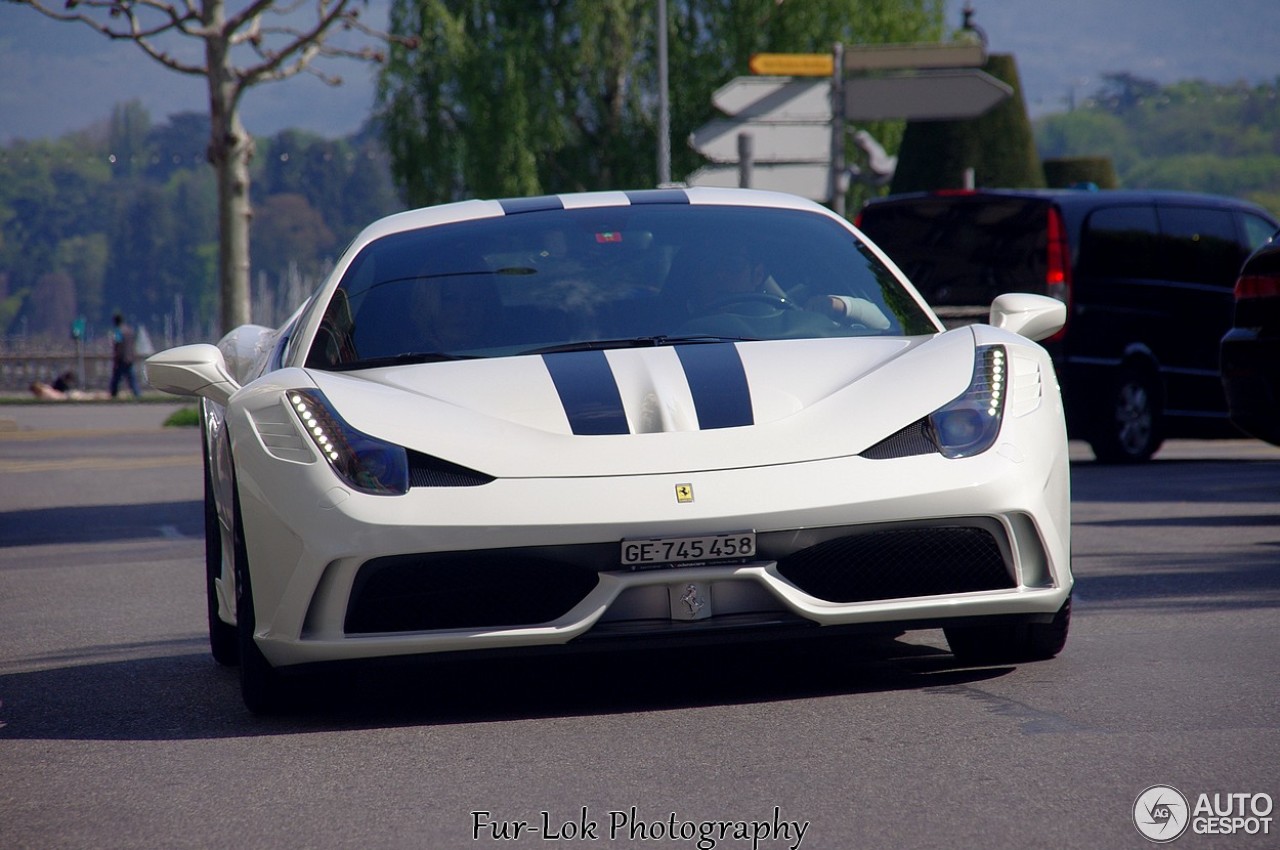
970	424
964	427
365	463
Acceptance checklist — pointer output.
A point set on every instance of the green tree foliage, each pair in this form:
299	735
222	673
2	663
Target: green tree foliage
83	258
1191	135
50	194
513	97
53	303
123	216
127	139
1084	133
237	47
287	229
1071	171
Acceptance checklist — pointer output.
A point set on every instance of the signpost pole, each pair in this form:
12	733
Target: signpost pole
837	193
664	108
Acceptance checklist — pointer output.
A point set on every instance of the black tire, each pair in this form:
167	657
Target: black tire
260	684
223	641
1128	427
1010	642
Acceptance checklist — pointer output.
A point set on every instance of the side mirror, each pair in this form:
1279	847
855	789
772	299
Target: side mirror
1033	316
192	370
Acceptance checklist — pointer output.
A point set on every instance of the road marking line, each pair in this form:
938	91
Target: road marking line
35	434
97	463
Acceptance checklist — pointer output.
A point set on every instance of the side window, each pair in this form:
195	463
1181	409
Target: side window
1199	245
1120	242
1257	230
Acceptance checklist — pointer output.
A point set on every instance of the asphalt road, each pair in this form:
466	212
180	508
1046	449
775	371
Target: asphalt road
117	729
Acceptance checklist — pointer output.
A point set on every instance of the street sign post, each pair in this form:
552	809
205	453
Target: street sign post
777	134
884	57
787	133
927	96
774	142
793	64
775	99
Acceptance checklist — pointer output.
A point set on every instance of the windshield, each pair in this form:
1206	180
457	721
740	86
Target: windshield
555	280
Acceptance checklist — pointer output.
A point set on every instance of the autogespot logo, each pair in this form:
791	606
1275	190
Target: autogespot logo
1160	813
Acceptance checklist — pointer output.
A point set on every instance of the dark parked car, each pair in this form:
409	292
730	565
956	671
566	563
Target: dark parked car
1147	278
1251	349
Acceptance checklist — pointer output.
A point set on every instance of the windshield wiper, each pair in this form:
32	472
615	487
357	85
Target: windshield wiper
637	342
408	358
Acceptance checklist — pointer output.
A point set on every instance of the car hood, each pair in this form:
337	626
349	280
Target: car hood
657	409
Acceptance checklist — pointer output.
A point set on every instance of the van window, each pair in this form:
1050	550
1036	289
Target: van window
961	252
1199	245
1257	230
1120	242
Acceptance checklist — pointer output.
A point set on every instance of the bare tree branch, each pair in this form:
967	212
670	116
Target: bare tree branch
184	20
238	50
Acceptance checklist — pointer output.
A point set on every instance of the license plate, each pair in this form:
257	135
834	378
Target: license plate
661	551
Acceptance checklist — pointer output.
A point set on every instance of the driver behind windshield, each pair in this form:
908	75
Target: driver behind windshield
736	280
725	279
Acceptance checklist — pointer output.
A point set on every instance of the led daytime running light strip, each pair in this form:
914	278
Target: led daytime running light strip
319	429
365	463
996	380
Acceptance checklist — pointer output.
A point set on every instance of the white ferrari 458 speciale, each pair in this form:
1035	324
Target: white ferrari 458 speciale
625	418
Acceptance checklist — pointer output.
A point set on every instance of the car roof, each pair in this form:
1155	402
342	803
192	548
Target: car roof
1082	197
478	209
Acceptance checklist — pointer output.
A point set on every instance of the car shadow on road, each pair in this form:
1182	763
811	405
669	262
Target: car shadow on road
1190	481
99	524
189	697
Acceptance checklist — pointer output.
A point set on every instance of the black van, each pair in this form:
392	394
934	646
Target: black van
1147	278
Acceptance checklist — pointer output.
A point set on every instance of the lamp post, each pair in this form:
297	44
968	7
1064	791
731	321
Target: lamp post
664	106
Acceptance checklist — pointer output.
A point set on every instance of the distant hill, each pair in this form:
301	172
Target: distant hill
60	77
1223	139
1064	48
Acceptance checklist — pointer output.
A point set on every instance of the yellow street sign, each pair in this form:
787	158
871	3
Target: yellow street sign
793	64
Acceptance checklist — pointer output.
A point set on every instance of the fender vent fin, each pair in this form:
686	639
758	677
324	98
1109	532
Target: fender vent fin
428	471
279	434
915	439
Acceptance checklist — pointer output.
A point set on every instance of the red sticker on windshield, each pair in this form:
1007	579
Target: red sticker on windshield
608	236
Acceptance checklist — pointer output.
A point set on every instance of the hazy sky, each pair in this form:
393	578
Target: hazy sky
57	77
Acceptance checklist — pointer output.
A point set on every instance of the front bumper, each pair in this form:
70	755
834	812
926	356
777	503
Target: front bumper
311	558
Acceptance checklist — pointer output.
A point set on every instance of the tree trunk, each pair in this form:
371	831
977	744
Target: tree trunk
230	152
234	150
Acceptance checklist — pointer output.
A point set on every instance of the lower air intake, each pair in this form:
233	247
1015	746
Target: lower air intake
899	564
463	590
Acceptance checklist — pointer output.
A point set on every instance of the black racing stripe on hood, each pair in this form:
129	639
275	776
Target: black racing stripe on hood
514	206
588	392
718	382
658	196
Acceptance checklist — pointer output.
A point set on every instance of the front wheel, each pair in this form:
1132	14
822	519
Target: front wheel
260	684
223	641
1010	642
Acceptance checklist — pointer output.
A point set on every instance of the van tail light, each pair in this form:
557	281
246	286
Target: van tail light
1257	286
1058	266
